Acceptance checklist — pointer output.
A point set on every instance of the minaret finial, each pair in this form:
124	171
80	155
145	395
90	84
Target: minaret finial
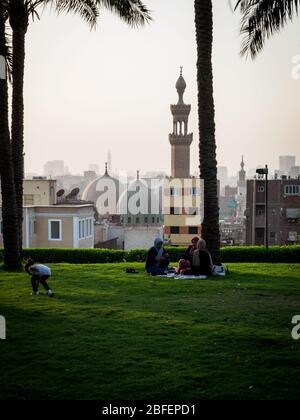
181	68
106	168
138	175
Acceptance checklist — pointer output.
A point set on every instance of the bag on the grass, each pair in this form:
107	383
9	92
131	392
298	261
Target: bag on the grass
220	270
131	271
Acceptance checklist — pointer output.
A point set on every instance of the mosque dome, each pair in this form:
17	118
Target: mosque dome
104	191
180	84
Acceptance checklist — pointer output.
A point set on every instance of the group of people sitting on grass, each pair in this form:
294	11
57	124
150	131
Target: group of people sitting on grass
196	261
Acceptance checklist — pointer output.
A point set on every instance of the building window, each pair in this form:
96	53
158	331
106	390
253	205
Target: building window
292	190
90	227
30	228
34	227
82	229
129	219
1	228
261	189
175	230
54	230
175	210
260	210
137	220
260	233
193	230
273	235
174	192
153	219
292	236
146	219
192	211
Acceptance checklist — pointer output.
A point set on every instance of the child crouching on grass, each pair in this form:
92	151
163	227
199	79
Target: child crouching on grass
40	274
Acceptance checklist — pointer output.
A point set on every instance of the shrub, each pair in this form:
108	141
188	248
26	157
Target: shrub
275	254
284	254
75	256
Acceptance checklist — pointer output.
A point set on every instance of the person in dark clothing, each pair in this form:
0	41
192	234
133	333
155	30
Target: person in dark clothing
39	274
190	251
202	264
158	259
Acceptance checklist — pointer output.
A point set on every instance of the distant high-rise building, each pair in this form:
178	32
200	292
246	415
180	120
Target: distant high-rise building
223	176
109	162
94	167
295	172
286	163
180	139
55	168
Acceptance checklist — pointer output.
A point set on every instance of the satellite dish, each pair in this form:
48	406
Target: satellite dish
60	193
73	193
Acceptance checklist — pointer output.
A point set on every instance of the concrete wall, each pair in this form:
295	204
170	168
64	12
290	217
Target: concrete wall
140	238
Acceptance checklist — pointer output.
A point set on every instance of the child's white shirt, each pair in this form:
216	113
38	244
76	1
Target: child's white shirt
40	269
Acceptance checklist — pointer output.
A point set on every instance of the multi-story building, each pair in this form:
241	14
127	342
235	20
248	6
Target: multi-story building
222	177
286	163
47	224
55	168
283	211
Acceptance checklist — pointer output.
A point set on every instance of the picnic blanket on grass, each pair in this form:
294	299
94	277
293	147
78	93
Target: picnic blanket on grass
219	270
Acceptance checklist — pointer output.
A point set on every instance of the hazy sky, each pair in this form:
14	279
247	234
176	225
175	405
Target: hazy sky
88	92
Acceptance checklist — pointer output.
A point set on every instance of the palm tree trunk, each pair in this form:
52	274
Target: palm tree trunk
19	24
17	132
206	113
9	210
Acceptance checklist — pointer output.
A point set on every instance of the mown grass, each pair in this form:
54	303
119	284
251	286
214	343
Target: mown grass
111	335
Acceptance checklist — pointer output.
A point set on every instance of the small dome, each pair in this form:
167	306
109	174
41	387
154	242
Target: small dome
181	85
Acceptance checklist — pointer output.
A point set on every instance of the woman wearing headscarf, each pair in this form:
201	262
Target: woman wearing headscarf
202	264
158	259
190	251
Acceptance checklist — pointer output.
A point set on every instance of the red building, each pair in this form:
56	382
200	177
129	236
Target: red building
283	211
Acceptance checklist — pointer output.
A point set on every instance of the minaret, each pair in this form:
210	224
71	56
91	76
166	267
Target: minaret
180	140
242	191
242	173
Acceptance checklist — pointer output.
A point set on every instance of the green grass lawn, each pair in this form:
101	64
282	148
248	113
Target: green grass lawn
111	335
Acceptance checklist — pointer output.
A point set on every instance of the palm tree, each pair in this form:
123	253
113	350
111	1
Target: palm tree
206	114
9	209
133	12
261	19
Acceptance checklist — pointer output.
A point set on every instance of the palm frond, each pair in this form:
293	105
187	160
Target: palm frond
261	19
132	12
8	55
87	9
6	52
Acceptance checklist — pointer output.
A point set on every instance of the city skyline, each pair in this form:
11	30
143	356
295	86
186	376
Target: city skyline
101	169
123	103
